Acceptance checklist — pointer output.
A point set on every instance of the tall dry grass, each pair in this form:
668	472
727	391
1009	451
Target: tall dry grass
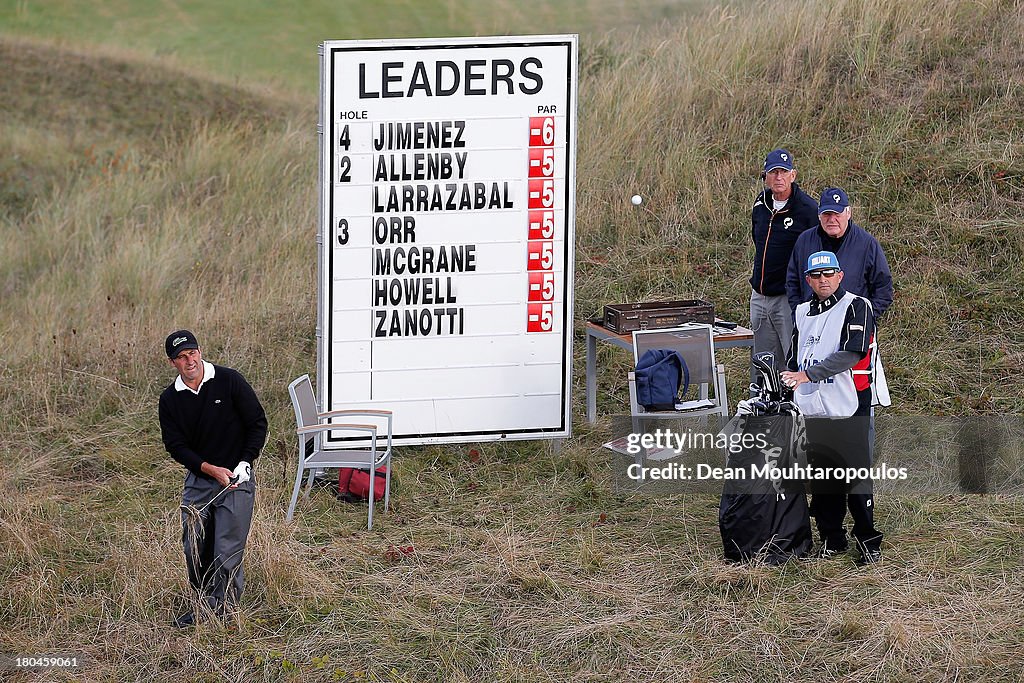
518	564
906	105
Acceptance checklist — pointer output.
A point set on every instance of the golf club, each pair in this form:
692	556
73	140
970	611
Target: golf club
231	482
197	513
768	396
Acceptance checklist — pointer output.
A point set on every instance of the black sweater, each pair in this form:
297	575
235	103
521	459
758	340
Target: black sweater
223	425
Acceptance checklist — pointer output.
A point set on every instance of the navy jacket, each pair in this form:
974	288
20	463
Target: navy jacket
865	270
774	235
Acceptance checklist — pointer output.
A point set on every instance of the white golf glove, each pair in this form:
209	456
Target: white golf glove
743	408
243	472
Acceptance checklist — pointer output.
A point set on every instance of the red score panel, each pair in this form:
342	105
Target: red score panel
542	286
540	317
542	162
541	194
540	255
542	225
542	131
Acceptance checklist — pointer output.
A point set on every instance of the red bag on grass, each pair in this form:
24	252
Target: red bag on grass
354	483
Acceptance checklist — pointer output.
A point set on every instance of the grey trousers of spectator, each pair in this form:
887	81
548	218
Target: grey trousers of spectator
771	319
215	542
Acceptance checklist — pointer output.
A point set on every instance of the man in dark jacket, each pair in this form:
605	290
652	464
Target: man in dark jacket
865	269
781	213
213	424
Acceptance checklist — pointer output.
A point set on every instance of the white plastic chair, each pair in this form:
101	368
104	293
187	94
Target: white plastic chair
310	426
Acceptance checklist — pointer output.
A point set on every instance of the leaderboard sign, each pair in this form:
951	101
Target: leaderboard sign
447	221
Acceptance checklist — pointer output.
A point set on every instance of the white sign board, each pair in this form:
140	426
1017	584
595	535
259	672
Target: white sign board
447	224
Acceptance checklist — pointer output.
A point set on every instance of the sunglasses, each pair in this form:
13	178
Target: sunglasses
822	273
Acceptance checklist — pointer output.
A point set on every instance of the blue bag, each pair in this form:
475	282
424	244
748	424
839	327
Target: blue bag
658	375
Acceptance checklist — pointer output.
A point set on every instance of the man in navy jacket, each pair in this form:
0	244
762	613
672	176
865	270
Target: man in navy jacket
866	271
781	213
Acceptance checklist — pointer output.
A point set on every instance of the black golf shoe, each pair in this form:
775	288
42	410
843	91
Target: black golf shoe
184	620
869	557
827	552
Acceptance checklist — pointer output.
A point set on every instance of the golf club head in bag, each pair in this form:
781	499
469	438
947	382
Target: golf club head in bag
768	377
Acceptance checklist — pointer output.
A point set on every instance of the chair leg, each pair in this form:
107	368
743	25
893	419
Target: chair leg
295	490
309	484
387	485
373	480
638	428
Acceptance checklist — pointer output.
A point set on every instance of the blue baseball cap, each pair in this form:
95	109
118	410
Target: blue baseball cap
833	200
778	158
822	260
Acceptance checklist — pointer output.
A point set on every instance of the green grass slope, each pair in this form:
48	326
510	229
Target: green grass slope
276	41
136	198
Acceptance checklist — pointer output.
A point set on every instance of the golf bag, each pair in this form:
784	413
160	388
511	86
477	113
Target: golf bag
761	518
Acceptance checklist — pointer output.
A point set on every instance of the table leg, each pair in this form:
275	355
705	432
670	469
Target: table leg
591	378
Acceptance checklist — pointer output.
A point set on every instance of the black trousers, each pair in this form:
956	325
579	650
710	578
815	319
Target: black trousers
214	542
839	444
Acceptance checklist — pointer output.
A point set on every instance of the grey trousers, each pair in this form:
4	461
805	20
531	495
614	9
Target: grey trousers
771	319
214	542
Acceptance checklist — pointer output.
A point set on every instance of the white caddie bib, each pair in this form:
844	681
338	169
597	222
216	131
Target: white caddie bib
819	337
879	385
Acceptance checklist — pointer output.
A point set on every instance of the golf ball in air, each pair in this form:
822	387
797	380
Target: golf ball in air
637	200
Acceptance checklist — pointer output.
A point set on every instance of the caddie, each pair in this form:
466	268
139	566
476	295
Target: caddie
831	374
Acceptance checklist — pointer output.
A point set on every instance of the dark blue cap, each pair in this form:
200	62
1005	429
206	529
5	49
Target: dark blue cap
778	158
833	200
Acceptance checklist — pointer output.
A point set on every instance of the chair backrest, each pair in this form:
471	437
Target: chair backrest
694	342
303	401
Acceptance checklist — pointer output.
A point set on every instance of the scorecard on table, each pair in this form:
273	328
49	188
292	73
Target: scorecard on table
447	225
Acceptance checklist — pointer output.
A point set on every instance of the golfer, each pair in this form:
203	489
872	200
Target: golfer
213	424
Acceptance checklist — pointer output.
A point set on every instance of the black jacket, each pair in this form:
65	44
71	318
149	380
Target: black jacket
774	234
224	424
